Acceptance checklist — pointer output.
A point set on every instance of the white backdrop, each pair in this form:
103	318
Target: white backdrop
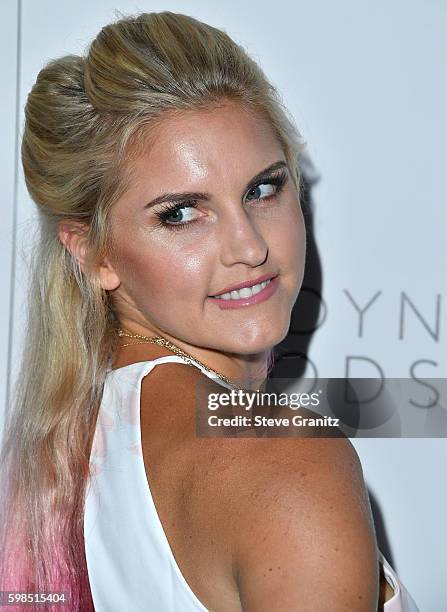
364	81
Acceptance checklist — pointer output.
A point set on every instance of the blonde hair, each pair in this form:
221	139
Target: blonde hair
85	117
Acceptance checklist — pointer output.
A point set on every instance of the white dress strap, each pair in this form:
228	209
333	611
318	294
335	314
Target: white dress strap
401	600
178	359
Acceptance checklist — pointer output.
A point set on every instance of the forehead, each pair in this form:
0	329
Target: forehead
208	144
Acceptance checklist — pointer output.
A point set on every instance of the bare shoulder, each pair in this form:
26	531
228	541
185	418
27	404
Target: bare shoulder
169	377
304	532
291	516
172	387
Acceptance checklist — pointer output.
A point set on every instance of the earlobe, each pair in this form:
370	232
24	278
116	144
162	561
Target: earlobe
108	278
74	236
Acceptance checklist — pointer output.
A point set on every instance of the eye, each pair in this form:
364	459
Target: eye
267	188
176	216
180	214
259	192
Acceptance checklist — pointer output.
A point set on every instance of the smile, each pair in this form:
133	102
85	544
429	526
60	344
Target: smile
245	292
246	296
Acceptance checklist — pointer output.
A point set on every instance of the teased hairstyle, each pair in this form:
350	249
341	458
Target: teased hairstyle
84	118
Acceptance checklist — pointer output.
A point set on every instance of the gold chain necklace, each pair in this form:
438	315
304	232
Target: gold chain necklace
160	341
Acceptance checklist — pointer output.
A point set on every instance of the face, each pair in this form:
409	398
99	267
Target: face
211	205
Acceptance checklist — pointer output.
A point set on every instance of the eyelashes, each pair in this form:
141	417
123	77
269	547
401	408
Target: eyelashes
169	210
172	209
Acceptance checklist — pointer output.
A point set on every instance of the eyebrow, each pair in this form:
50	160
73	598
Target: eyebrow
198	195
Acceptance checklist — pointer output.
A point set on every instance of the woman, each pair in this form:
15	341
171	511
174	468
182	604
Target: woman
166	175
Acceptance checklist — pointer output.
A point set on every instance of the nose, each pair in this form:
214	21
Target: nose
241	241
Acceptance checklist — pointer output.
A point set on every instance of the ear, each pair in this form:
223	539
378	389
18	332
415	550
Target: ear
74	236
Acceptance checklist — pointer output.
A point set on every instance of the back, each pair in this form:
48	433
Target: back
130	562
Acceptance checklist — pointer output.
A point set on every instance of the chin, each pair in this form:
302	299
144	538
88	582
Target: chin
258	340
282	333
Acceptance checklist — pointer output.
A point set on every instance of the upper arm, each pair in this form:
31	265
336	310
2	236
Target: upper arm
306	539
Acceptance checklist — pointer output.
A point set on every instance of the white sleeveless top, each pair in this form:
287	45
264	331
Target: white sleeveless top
130	563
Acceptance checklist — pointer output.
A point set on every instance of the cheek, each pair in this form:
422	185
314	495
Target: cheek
288	236
155	271
297	237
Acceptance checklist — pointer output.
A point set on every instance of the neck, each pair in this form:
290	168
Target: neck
247	371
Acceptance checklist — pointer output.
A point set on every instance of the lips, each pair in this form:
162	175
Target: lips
245	284
239	298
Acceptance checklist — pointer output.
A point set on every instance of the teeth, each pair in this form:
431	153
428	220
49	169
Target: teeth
246	292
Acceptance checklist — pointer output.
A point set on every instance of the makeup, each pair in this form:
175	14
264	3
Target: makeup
230	300
179	202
